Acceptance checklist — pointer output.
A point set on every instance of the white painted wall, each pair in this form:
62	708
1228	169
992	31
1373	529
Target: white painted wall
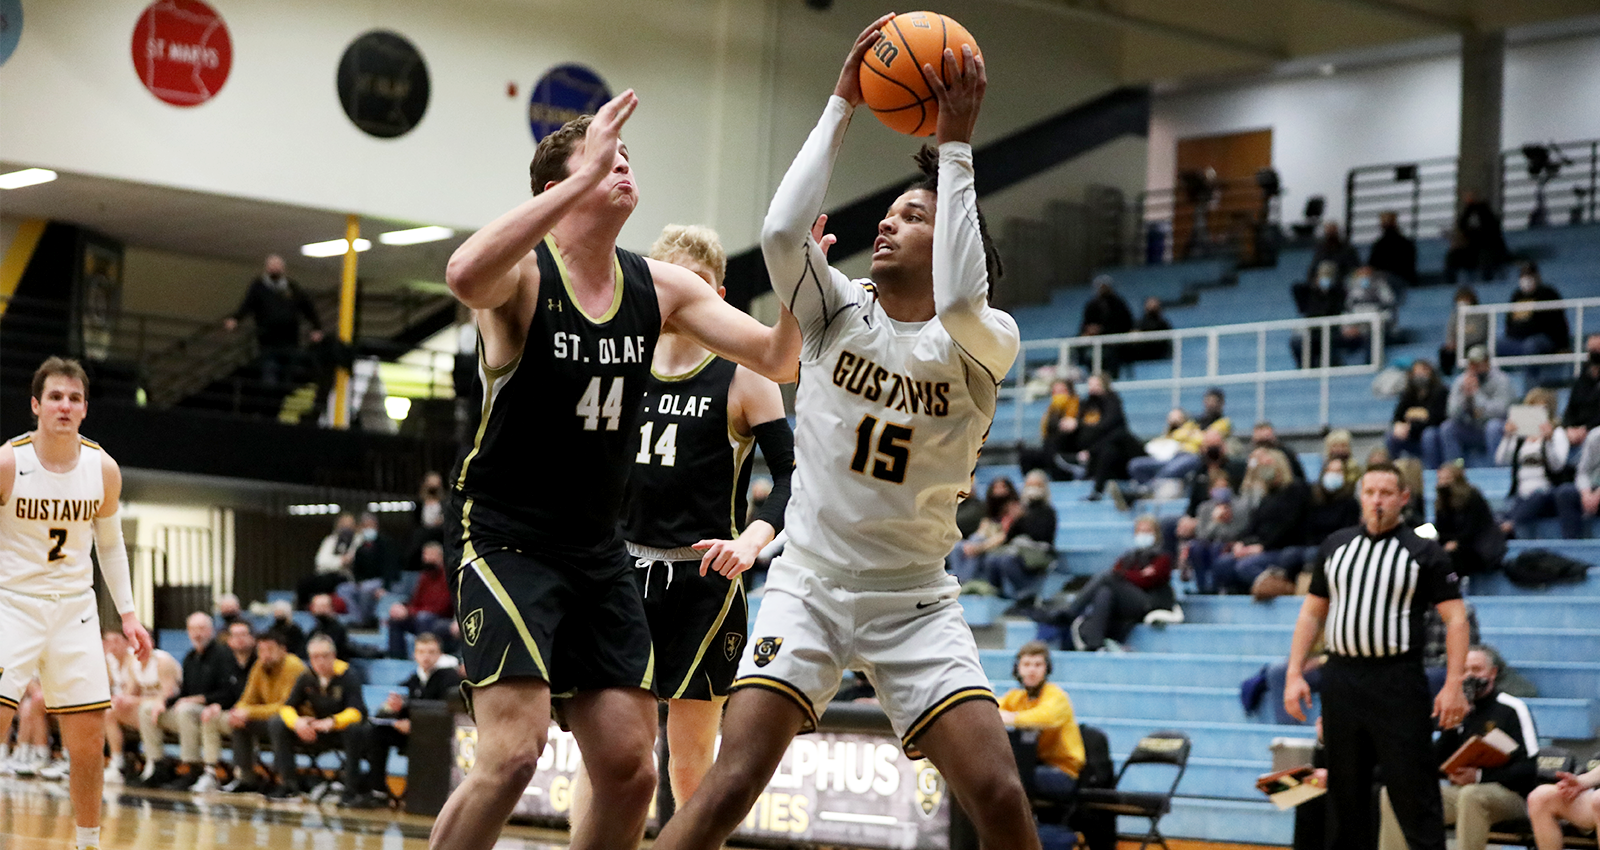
728	90
1324	126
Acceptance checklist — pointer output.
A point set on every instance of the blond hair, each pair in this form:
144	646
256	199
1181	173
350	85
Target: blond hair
1544	397
696	242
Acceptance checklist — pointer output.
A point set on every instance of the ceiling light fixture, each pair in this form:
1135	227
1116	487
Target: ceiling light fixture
332	248
416	235
26	177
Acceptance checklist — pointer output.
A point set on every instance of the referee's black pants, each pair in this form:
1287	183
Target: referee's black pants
1377	713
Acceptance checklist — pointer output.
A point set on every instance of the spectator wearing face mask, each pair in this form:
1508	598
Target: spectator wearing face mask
966	561
1477	407
1104	443
374	568
1583	405
1466	525
332	562
1175	454
1017	566
1152	320
1106	313
1393	253
277	304
1213	416
1217	524
427	527
1056	434
1366	294
1539	464
1322	294
1264	436
1477	330
1533	331
1109	606
1275	533
1418	413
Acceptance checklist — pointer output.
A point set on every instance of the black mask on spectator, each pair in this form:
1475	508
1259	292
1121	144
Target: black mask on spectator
1475	687
1213	453
1594	358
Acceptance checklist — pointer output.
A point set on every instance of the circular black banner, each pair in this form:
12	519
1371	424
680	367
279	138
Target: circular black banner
383	84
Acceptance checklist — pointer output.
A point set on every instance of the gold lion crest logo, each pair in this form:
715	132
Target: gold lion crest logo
731	644
767	649
930	788
472	627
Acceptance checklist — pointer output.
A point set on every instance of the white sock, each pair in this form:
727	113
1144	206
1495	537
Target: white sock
88	837
116	761
40	753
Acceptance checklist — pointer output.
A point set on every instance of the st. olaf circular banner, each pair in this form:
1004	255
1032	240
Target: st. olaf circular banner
10	27
562	94
182	51
383	84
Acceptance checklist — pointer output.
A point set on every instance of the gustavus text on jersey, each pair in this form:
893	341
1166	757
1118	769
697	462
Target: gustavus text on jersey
864	377
58	510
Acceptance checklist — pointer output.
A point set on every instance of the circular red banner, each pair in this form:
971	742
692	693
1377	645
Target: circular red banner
181	51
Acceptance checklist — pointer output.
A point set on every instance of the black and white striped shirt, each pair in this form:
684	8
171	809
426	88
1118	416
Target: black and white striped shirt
1379	589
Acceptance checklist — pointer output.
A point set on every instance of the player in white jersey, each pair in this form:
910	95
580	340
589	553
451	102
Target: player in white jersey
58	498
899	381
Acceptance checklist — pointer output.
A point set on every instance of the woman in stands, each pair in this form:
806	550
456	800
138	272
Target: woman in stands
1113	602
1477	330
1418	413
1466	526
1275	535
1055	435
1001	507
1539	466
1103	440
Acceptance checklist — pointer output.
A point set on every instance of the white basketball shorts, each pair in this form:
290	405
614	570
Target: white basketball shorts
58	641
913	645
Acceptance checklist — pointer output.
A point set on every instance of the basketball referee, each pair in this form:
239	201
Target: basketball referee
1370	589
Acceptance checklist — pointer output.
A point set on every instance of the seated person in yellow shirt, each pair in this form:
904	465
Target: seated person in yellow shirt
324	710
1045	707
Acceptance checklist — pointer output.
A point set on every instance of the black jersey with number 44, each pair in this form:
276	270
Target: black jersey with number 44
690	467
553	447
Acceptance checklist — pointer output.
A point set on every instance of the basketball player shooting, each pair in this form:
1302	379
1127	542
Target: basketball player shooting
58	498
567	324
902	376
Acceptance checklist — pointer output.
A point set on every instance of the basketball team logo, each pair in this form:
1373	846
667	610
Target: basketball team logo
562	94
383	84
767	649
182	51
730	645
930	788
466	747
472	627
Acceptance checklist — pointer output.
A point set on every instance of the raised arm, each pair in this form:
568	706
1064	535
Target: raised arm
485	271
960	267
691	308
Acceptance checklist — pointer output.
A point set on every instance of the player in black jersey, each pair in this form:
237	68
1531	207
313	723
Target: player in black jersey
682	512
567	323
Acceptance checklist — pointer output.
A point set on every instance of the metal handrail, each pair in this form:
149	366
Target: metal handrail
1212	375
1578	357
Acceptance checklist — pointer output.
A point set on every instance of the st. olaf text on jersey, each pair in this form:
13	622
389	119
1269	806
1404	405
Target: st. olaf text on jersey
58	510
864	377
671	404
626	349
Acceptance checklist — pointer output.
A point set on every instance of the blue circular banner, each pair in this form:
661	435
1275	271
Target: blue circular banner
562	94
10	27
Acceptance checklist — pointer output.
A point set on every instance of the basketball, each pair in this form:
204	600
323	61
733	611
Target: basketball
891	74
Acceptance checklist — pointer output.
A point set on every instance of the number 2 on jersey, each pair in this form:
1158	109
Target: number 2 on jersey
666	447
894	453
59	535
591	409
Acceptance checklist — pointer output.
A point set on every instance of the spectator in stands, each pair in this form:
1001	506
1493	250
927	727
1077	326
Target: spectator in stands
1539	468
1333	502
391	726
1113	602
1105	313
31	755
1475	798
1339	445
1017	566
228	610
1479	399
374	568
1478	243
1477	330
1173	455
1572	799
430	609
294	637
1105	444
1583	405
1418	414
132	686
1219	468
1218	522
1042	705
1152	320
1275	533
332	561
277	304
1534	331
1393	253
1056	434
1332	248
328	623
271	681
202	723
1365	294
1214	417
1467	528
1415	512
1001	505
428	526
1264	436
1323	294
155	718
1585	484
324	708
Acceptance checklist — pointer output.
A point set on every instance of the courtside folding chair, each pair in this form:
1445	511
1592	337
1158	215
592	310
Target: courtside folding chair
1167	749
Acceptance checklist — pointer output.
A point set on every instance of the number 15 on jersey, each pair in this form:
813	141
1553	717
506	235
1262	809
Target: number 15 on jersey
893	455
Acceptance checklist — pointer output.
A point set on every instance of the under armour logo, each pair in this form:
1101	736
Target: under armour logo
553	304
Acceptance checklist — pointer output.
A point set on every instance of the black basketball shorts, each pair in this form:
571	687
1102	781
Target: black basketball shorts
697	625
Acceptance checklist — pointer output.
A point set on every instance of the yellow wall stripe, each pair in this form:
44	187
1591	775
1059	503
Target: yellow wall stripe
18	254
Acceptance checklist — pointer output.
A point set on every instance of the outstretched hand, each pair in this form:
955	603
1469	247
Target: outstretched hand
849	86
821	236
727	558
604	136
959	94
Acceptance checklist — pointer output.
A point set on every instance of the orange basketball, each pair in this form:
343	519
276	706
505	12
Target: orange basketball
891	74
